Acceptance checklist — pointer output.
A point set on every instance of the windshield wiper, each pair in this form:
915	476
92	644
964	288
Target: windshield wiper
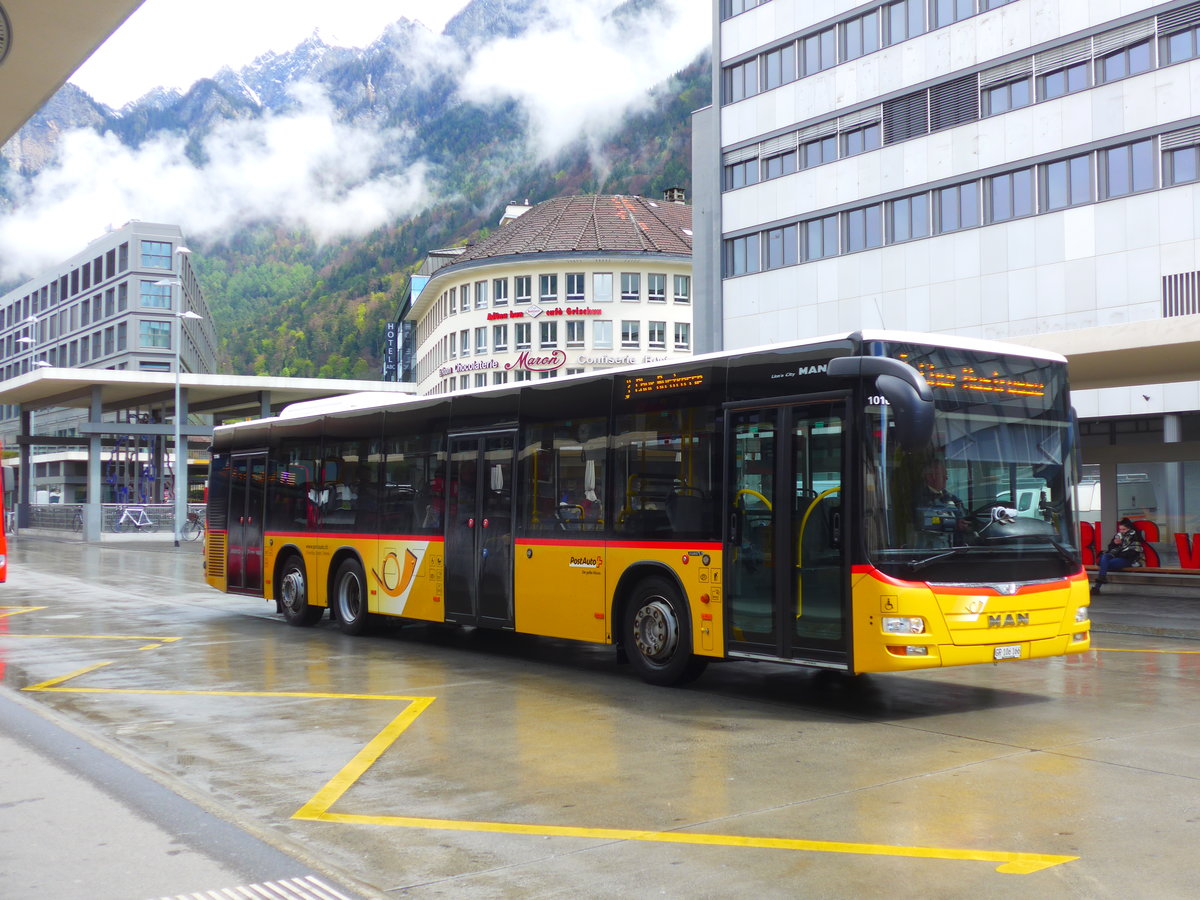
917	564
1062	549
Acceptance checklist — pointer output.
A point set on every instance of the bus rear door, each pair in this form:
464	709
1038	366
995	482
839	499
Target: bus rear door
786	585
247	504
479	530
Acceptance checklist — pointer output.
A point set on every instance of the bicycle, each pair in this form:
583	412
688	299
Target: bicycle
77	522
193	529
136	518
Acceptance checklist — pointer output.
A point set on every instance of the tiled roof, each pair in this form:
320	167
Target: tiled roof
594	223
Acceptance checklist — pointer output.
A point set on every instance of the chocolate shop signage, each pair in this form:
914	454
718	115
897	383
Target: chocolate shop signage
548	362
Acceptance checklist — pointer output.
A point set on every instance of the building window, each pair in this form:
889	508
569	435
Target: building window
576	333
481	295
779	66
683	336
1003	97
863	229
783	247
779	165
946	12
741	255
602	287
656	288
860	35
523	288
1124	62
548	288
631	334
500	292
1127	170
453	300
523	334
956	207
1067	182
500	377
1064	81
453	348
110	305
819	151
741	174
683	289
499	338
903	20
548	335
121	336
602	334
153	334
156	295
741	81
481	379
464	342
1010	196
575	282
1181	166
155	255
820	51
1179	46
908	218
821	238
631	286
860	140
481	340
656	335
522	375
464	382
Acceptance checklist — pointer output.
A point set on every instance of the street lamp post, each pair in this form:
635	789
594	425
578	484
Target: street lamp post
181	462
23	502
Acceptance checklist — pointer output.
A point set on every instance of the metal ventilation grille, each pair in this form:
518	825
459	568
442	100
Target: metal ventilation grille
954	103
906	117
214	550
1181	294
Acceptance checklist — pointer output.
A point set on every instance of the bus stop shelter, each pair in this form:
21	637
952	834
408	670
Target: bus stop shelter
105	399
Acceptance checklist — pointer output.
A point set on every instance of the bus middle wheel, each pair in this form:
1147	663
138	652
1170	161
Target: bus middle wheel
350	597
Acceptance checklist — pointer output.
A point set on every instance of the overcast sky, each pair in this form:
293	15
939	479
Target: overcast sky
173	43
574	73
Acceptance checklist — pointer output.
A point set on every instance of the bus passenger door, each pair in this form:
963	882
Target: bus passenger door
247	504
786	584
479	565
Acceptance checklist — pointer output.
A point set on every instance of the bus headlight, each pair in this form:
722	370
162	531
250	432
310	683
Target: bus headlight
903	625
1081	614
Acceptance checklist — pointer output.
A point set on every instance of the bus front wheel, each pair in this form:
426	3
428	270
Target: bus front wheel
657	635
350	597
293	594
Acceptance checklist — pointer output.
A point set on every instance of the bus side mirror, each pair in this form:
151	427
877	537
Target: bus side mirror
905	389
912	414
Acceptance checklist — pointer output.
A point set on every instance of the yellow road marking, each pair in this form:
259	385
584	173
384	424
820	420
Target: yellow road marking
17	610
317	809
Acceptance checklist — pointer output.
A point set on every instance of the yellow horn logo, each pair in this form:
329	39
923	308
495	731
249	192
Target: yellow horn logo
391	565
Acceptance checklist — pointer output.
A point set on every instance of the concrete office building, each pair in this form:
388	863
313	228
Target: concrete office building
117	305
575	284
1021	170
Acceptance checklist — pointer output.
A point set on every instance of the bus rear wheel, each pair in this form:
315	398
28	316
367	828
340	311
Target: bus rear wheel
350	597
293	594
657	635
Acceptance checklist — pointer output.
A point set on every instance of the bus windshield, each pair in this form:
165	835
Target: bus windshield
988	498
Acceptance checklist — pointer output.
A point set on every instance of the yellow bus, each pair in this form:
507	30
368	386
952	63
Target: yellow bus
845	503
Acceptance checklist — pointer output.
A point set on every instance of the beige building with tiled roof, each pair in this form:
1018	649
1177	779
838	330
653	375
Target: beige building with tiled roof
571	285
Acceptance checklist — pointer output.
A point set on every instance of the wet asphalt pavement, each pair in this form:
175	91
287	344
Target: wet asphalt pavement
162	739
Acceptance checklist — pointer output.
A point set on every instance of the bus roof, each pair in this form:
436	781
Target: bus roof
366	401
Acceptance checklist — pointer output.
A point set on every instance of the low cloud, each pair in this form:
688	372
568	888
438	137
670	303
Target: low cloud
303	169
580	70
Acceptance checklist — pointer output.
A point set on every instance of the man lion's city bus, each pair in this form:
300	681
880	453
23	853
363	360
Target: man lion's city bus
868	502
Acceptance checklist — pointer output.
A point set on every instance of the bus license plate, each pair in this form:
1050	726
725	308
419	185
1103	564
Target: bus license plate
1012	651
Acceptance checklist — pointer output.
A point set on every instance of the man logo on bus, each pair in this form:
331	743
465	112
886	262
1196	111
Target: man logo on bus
400	580
1008	620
